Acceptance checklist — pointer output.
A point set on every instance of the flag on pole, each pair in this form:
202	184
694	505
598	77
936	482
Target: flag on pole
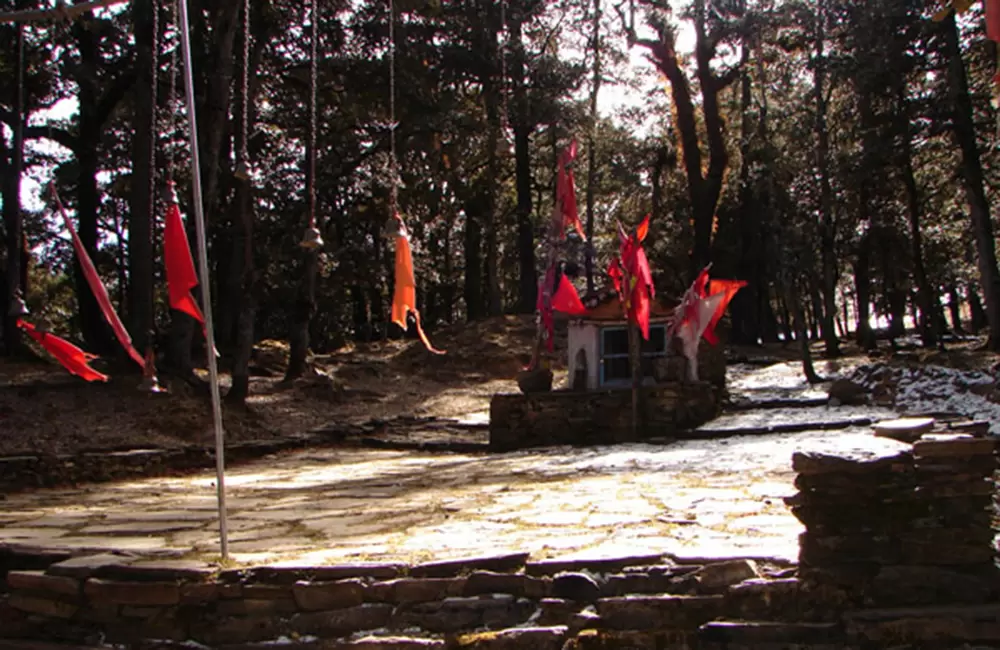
632	277
72	358
404	298
181	276
97	287
566	191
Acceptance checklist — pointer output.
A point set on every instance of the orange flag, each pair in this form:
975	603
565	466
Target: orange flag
68	355
404	298
181	278
728	288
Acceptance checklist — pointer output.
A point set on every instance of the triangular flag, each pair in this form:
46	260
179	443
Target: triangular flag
97	287
727	289
181	277
567	300
72	358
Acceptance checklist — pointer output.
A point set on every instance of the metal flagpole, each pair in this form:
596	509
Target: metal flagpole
206	295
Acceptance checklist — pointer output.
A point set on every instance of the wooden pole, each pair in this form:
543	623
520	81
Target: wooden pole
635	361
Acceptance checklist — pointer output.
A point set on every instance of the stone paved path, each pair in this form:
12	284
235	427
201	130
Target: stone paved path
701	498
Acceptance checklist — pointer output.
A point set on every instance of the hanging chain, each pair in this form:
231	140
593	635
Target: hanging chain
172	94
154	121
502	47
246	83
393	164
312	114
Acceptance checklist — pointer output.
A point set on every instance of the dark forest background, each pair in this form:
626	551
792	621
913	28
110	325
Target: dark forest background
839	155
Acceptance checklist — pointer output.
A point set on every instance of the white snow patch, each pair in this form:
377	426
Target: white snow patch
931	388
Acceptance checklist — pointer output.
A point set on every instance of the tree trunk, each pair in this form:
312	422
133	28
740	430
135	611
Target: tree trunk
12	216
827	252
528	276
93	327
977	314
955	309
488	184
595	87
244	339
925	297
704	184
795	305
862	287
964	129
143	188
473	242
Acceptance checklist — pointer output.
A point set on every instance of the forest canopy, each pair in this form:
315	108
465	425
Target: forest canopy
838	155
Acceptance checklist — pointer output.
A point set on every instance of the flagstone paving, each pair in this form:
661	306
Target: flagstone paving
698	498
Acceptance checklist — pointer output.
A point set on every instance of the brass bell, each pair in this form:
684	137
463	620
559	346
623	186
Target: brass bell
242	172
392	227
149	383
172	193
312	239
18	307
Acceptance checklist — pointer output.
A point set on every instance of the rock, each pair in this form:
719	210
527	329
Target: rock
415	590
43	606
901	586
556	611
449	568
845	391
338	622
40	582
903	429
516	584
719	576
747	633
88	565
856	461
112	592
938	446
315	596
652	612
526	638
535	381
576	586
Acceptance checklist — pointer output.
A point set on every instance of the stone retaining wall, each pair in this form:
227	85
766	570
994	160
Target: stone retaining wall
908	527
492	603
565	417
898	553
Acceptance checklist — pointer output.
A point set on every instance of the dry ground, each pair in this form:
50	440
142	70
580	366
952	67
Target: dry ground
45	410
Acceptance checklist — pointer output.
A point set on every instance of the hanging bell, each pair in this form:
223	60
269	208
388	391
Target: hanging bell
172	192
149	383
392	227
18	308
242	172
312	239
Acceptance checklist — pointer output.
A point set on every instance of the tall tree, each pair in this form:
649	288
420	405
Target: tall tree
964	130
829	263
704	181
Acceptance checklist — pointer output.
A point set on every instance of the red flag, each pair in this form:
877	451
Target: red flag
633	278
567	300
992	19
566	191
181	277
68	355
728	289
97	287
404	298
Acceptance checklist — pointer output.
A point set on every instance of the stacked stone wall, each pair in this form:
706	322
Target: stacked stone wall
520	421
